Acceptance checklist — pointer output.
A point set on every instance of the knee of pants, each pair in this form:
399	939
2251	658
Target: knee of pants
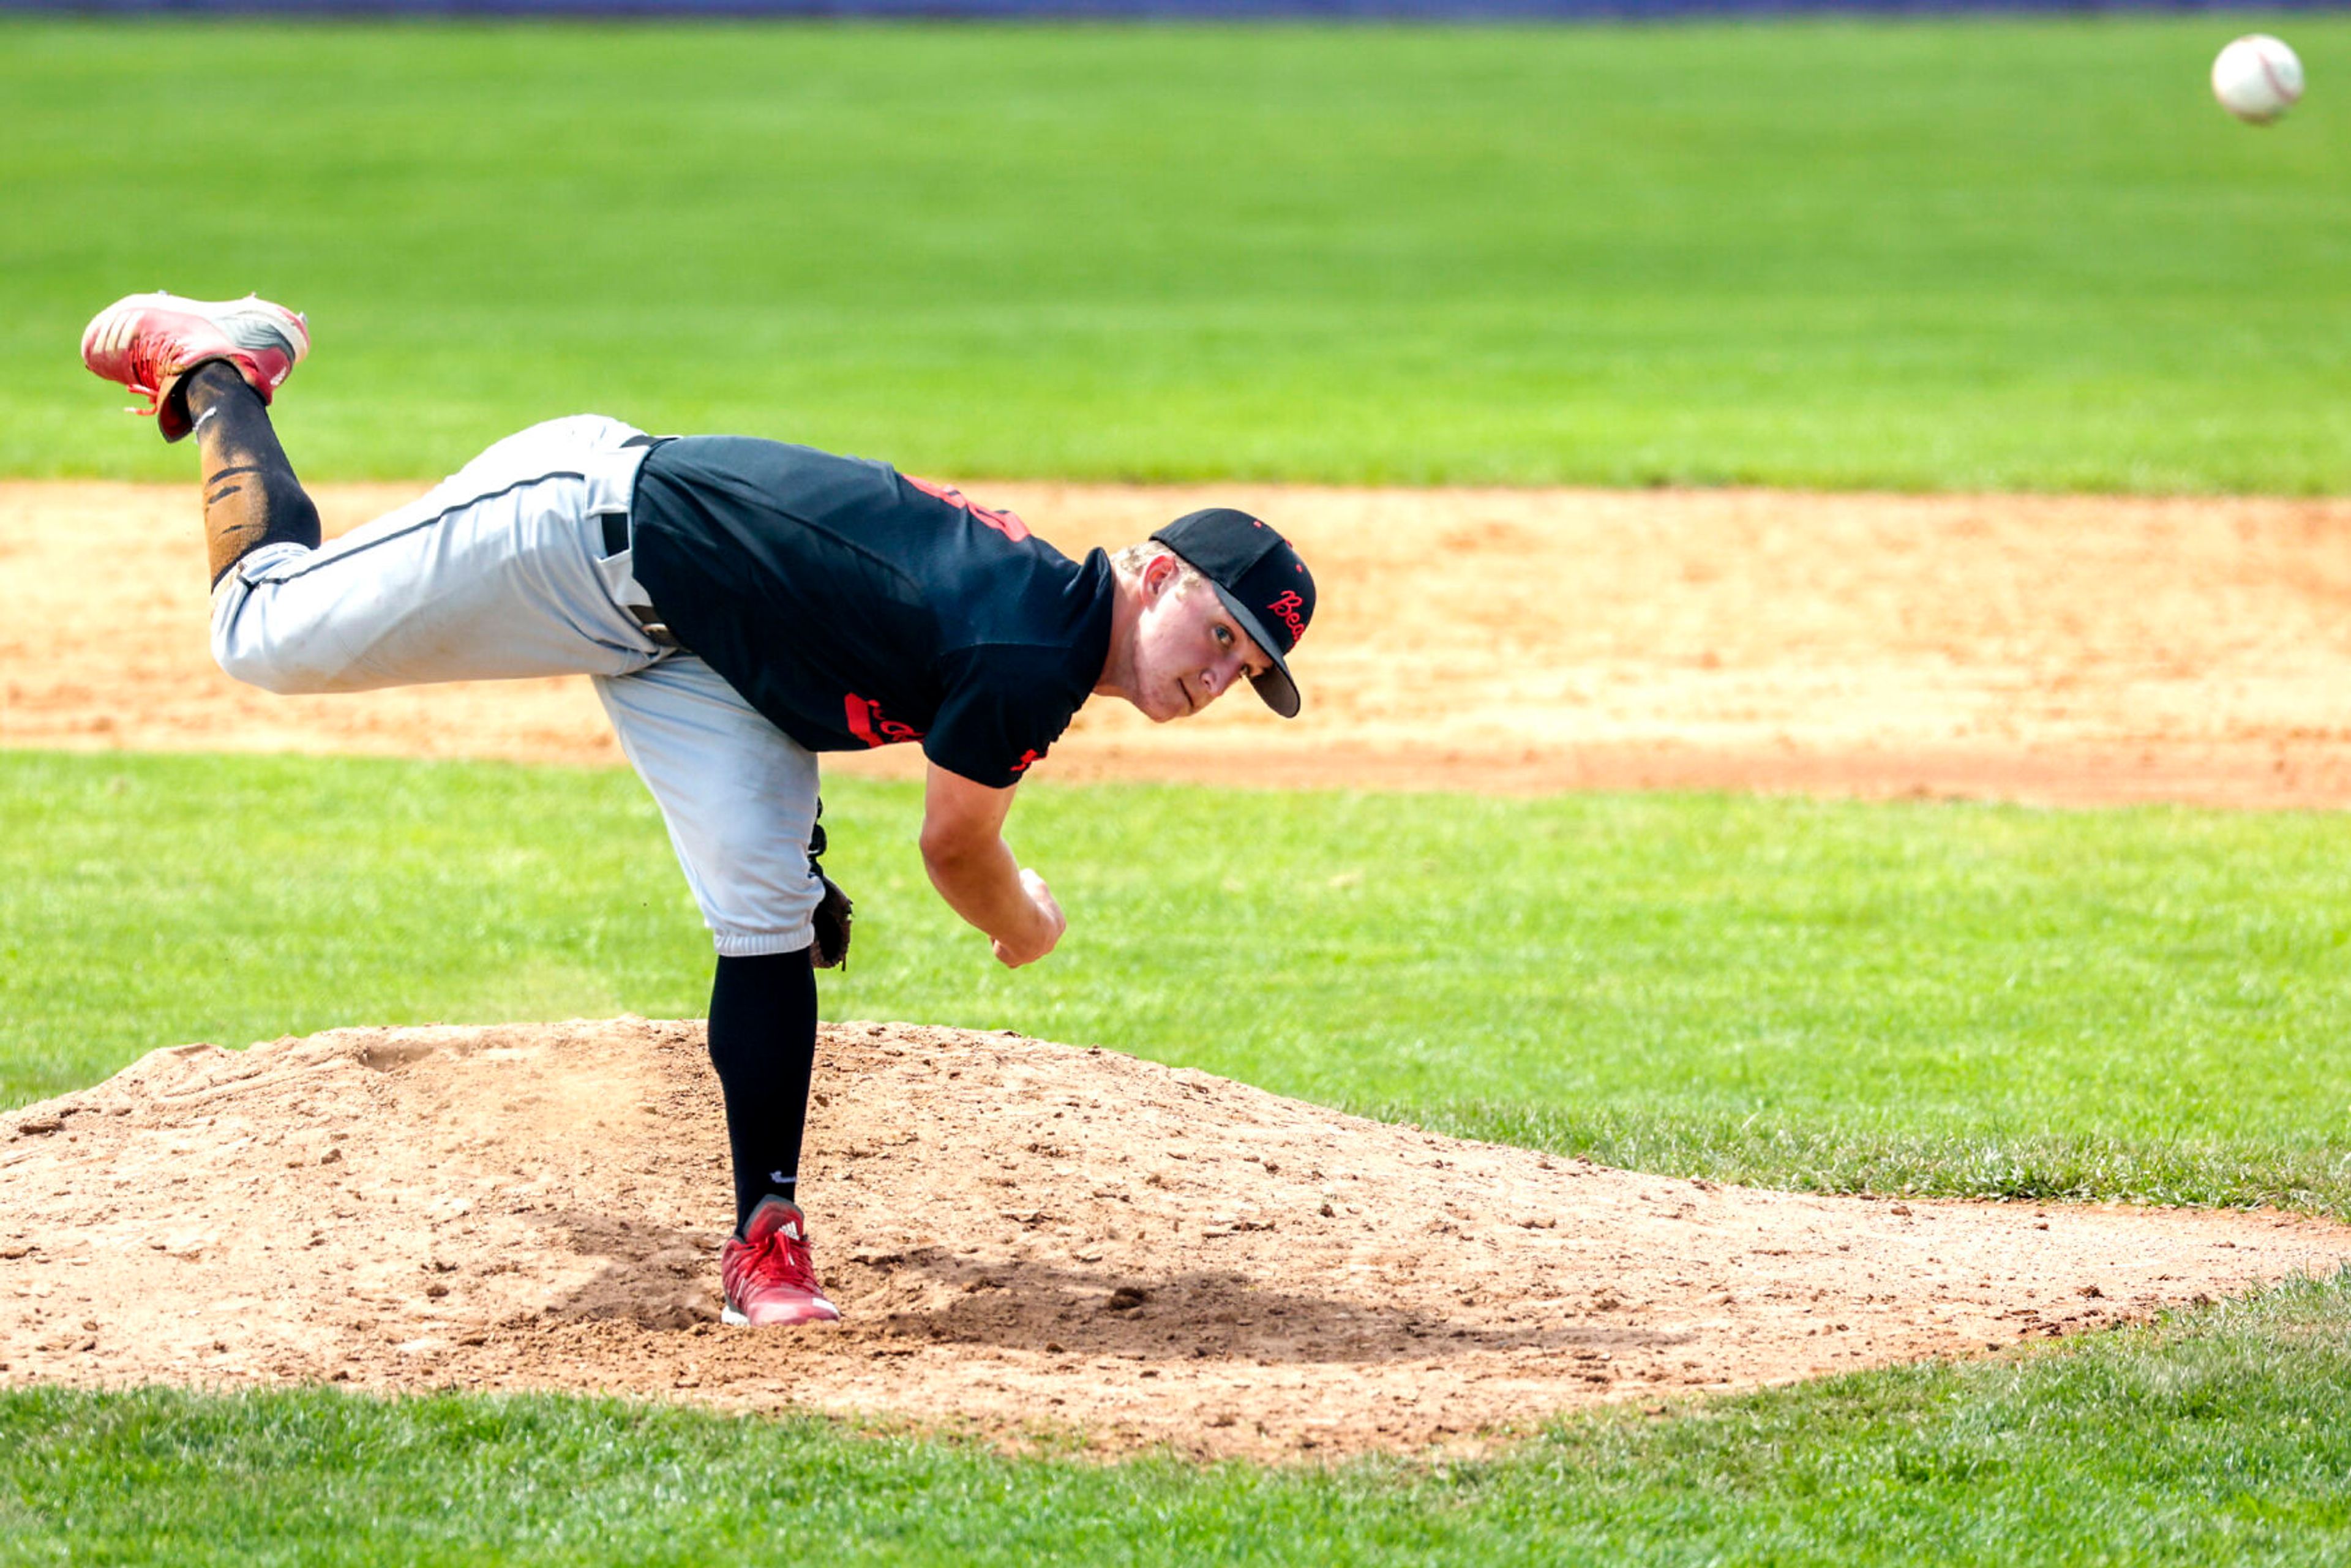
248	649
272	672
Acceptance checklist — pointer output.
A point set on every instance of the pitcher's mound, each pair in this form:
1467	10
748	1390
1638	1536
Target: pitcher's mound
1025	1237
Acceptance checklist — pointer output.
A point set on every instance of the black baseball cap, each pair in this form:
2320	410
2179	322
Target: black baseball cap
1261	580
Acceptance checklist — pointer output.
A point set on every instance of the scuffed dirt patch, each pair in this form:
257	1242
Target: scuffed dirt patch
2059	648
1028	1239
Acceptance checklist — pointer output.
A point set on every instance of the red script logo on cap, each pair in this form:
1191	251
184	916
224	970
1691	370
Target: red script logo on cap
1285	609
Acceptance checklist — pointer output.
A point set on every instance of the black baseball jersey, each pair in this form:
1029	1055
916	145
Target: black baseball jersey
853	606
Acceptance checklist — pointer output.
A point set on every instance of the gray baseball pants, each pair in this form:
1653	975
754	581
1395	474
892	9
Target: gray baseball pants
501	571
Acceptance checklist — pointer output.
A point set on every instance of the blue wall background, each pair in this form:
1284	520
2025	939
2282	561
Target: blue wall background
1494	10
1437	10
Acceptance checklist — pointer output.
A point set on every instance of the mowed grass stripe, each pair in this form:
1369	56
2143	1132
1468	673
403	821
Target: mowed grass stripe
1935	254
2214	1437
1920	997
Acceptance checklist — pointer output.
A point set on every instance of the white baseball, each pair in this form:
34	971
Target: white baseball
2257	78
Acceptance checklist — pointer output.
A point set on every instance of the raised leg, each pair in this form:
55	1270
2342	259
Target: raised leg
251	496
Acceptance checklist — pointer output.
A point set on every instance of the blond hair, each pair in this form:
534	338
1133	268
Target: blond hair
1130	561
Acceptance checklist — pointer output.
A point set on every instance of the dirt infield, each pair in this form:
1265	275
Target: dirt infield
1027	1240
1031	1239
2062	649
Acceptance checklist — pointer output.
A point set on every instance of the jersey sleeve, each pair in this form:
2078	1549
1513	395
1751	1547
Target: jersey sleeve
1004	706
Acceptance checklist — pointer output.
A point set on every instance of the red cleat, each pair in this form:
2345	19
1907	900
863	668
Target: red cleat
148	342
769	1276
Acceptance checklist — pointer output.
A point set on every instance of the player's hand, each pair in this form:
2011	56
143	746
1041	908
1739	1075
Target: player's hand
1044	933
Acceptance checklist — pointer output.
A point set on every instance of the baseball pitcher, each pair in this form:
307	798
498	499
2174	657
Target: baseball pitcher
740	605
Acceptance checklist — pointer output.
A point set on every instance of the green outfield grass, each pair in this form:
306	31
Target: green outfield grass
1921	996
1914	253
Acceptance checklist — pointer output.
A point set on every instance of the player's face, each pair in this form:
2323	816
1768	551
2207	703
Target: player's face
1189	651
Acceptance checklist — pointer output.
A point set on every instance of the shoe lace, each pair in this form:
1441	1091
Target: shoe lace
145	375
777	1259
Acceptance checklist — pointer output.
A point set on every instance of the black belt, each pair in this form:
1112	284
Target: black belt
616	524
616	542
649	619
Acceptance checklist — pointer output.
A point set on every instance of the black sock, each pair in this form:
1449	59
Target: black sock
763	1045
251	496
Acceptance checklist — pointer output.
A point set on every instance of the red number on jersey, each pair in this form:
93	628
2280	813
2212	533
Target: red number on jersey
1005	523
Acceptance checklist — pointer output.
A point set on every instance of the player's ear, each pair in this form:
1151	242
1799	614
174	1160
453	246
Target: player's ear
1158	573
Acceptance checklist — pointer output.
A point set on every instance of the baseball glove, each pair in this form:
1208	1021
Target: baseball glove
830	950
